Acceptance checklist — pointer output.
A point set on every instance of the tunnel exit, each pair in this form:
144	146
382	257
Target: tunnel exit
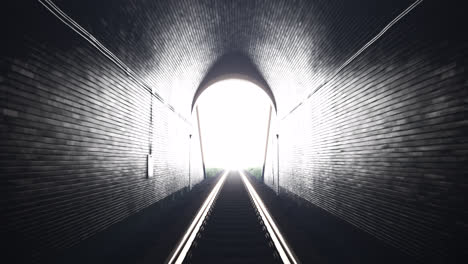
234	119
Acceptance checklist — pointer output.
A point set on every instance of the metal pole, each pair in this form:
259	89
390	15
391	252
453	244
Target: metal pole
189	162
278	172
266	145
201	144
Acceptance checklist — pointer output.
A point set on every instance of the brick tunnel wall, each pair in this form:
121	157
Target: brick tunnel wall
383	145
370	153
75	133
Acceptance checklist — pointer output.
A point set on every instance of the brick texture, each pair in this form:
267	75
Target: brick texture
384	144
173	44
75	133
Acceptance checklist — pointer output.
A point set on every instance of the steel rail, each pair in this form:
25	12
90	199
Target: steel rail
179	253
285	252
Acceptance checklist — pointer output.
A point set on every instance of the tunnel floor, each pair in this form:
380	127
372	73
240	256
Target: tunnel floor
233	232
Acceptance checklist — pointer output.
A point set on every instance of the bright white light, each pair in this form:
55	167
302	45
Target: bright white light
233	119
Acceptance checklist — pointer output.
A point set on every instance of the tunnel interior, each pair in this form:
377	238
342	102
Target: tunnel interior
368	136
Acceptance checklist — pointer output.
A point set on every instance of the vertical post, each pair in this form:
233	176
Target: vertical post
189	162
278	166
149	157
266	145
201	143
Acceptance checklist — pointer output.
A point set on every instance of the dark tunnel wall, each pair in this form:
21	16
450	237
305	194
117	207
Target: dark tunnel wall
76	131
384	144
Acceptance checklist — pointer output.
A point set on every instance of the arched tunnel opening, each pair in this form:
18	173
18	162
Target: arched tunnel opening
234	117
107	149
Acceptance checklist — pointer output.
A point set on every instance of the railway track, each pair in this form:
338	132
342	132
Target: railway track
232	226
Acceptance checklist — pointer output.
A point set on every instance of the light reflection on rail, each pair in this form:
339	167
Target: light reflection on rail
286	254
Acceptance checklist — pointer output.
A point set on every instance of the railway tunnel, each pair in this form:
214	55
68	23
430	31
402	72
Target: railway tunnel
366	155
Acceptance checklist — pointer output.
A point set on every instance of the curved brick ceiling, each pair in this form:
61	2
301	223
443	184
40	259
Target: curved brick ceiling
233	65
171	45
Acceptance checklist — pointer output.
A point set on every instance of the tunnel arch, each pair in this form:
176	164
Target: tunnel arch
234	66
224	103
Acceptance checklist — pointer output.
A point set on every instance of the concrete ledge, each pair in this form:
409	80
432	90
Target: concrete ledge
147	236
317	236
